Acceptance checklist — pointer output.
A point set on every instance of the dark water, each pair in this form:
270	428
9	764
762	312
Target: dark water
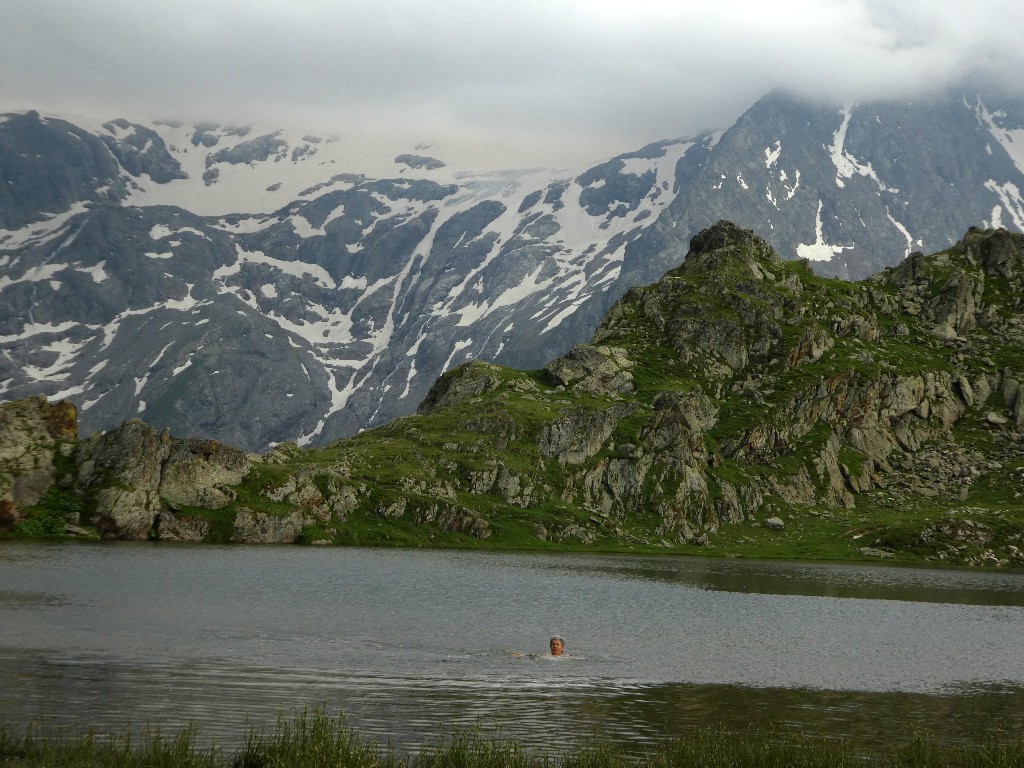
409	645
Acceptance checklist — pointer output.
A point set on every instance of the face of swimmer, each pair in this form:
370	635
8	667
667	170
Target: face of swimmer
557	646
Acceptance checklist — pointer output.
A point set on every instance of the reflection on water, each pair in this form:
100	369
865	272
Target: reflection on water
411	712
11	599
410	645
871	582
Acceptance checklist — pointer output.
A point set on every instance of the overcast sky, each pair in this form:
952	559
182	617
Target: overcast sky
520	82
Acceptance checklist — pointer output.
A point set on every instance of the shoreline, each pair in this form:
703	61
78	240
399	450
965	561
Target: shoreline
712	552
314	737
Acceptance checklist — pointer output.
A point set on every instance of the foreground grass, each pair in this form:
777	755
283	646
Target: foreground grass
314	739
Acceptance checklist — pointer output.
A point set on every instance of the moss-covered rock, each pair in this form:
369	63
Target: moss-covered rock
740	405
32	433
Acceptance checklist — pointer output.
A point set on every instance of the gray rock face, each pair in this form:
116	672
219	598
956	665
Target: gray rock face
599	370
141	150
460	385
124	466
580	433
346	298
679	420
619	193
31	432
137	472
197	472
251	151
203	135
48	165
420	161
132	454
262	528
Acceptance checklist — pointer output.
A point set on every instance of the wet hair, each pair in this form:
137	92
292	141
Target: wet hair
558	638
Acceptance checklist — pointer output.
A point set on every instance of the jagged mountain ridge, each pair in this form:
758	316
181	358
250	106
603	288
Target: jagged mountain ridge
881	178
239	284
795	416
328	301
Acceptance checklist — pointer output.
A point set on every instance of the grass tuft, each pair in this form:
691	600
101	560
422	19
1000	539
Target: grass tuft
314	739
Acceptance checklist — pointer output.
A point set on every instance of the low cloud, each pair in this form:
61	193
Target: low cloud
573	80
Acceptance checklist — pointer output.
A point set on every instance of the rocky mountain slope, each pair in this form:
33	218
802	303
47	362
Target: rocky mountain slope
242	285
741	403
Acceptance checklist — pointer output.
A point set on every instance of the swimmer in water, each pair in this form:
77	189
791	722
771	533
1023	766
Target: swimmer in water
556	645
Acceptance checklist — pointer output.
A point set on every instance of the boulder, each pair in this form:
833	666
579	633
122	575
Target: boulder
196	473
174	527
131	455
460	385
31	431
252	527
595	370
956	308
874	552
126	513
134	467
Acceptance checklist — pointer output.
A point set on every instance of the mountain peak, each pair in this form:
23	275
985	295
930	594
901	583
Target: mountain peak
725	248
779	415
141	262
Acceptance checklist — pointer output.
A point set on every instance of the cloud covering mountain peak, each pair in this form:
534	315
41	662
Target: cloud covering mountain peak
517	83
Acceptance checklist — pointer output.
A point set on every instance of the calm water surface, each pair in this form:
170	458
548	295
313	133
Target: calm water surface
410	645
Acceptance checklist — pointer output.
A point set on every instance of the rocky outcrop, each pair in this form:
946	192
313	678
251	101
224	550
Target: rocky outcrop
579	433
197	473
461	384
138	476
740	390
597	370
140	150
453	518
252	527
320	492
797	391
33	432
180	528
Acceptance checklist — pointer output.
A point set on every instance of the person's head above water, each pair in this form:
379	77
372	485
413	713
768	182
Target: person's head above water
557	645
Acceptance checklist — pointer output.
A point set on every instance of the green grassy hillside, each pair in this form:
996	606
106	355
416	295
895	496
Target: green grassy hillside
741	406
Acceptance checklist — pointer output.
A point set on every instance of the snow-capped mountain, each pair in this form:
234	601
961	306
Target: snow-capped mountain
858	188
244	285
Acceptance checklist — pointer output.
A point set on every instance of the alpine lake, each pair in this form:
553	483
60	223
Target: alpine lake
413	646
